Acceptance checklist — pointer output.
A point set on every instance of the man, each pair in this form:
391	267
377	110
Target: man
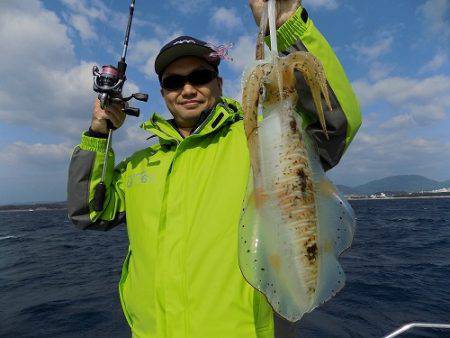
183	196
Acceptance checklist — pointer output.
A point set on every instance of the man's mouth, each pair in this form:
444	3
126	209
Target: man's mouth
190	103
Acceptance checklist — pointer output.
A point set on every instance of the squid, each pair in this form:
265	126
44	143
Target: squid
295	224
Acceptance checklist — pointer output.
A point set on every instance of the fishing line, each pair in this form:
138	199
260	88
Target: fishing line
272	27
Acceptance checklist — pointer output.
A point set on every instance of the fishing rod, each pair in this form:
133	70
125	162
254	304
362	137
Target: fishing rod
108	83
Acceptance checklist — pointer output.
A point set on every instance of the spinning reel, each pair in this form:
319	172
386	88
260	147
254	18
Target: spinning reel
109	84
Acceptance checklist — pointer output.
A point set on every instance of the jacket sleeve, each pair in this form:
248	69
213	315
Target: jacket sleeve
300	34
85	172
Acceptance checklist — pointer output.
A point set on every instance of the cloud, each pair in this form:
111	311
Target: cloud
22	28
413	101
434	64
57	84
97	11
84	28
243	52
432	111
83	15
52	91
327	4
399	121
398	139
379	70
62	104
144	52
372	156
373	51
33	172
130	138
226	18
401	90
189	7
435	13
38	155
232	88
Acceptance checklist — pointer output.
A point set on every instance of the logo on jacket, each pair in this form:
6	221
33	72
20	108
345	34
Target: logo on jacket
138	178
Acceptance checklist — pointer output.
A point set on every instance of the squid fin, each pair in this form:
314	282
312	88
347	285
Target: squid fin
336	227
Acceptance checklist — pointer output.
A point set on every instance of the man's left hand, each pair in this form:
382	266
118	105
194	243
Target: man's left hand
285	9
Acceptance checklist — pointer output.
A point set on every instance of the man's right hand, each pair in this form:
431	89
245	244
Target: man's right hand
112	112
285	9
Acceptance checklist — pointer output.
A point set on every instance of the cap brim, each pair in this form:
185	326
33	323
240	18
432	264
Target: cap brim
175	52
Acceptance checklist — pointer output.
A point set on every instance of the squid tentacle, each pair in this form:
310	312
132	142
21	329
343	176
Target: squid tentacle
314	75
250	103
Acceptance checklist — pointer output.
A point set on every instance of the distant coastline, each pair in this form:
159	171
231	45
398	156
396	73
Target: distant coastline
400	195
367	198
403	185
31	207
391	187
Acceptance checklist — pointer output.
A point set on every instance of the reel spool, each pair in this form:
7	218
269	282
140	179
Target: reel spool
109	84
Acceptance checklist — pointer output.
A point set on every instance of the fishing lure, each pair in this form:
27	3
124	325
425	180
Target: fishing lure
219	52
295	223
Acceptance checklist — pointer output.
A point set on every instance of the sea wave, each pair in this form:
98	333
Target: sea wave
8	237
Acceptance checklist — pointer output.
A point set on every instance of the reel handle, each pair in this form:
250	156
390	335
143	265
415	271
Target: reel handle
138	96
141	97
131	111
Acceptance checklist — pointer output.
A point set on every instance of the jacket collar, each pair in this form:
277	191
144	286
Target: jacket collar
225	111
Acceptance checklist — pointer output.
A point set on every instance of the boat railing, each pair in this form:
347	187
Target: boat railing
416	325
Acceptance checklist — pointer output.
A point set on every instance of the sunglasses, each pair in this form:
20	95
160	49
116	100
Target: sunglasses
196	78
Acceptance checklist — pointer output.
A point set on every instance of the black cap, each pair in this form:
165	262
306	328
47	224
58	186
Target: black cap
184	46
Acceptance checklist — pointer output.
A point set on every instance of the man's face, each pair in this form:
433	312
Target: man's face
187	103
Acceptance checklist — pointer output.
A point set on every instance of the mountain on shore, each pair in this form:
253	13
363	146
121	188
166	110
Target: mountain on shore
399	183
346	190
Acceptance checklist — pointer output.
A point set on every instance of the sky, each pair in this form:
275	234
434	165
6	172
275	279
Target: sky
395	53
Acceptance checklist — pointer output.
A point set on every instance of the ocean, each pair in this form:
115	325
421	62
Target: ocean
57	281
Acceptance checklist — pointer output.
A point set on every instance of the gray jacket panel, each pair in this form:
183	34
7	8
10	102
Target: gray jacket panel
80	170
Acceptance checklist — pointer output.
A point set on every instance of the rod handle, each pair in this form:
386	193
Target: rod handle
99	197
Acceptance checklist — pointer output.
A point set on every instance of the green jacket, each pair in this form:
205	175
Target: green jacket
182	200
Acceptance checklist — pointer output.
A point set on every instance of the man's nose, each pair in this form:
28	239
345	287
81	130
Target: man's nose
188	90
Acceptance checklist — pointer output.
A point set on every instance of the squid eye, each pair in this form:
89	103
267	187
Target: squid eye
262	92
